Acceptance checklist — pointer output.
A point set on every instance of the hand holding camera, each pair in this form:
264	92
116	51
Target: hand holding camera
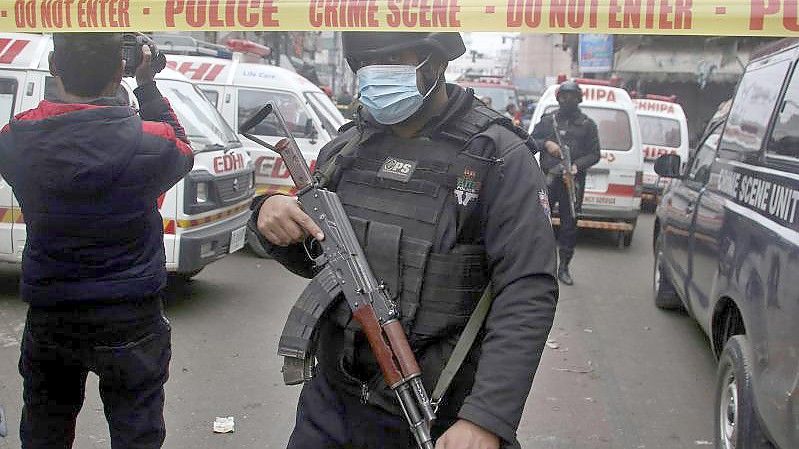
142	58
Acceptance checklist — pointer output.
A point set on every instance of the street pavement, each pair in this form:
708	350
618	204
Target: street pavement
618	373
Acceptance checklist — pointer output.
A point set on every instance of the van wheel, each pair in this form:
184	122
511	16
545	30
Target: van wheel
624	239
628	238
255	245
665	296
737	424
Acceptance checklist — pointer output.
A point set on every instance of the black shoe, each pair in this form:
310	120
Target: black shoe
565	276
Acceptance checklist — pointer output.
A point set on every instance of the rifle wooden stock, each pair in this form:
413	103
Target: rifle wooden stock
365	316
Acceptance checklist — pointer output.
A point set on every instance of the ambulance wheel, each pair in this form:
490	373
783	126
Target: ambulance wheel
665	295
628	239
624	239
737	423
255	245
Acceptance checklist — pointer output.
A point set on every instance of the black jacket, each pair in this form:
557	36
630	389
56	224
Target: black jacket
88	177
581	137
518	239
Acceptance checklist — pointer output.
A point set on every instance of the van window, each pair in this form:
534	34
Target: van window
251	101
699	172
205	127
328	105
660	131
752	108
322	113
212	95
784	140
613	126
8	95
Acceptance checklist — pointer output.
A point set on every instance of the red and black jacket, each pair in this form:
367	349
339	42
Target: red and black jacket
88	178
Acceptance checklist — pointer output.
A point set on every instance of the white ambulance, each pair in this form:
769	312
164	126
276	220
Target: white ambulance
664	130
205	214
239	89
612	198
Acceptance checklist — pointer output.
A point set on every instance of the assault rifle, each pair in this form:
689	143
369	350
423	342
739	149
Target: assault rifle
568	176
347	271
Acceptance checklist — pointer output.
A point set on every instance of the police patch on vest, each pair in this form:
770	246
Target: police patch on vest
397	169
468	188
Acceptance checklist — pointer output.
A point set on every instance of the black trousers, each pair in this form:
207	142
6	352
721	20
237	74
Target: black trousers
567	231
327	419
130	354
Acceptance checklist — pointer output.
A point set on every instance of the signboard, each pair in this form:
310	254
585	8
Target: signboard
596	53
659	17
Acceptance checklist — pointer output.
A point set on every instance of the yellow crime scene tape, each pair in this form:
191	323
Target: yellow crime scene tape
672	17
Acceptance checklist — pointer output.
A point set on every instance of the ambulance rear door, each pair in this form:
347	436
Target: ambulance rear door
612	187
664	130
611	183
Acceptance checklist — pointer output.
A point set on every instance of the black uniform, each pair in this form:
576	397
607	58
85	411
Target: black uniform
471	210
582	138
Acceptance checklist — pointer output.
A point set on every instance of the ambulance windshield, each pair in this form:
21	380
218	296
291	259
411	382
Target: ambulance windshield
659	131
500	97
204	126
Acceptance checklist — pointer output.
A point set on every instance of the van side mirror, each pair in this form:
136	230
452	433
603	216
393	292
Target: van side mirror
668	166
310	131
309	128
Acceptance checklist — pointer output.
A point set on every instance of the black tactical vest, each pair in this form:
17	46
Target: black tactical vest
396	193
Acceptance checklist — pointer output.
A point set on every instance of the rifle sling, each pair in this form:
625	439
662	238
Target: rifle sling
464	345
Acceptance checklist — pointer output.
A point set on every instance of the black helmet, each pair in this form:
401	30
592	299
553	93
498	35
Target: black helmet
570	86
360	45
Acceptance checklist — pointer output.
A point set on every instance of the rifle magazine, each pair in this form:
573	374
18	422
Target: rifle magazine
298	340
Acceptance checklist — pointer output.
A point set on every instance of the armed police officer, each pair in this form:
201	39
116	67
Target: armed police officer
567	126
446	199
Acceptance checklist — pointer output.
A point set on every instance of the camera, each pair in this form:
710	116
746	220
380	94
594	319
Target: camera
132	53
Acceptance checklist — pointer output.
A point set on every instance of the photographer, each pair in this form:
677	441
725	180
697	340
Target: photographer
87	172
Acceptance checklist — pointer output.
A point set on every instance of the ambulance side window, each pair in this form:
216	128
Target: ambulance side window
784	139
212	95
293	111
8	95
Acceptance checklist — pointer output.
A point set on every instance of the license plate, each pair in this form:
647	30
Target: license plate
596	182
237	239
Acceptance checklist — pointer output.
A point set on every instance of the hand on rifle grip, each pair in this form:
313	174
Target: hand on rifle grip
552	148
282	222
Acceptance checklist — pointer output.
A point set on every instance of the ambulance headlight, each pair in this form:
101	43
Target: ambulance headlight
202	192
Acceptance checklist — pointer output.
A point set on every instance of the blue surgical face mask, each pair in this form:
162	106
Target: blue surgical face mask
390	92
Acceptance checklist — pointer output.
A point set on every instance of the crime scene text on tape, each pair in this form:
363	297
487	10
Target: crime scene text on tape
674	17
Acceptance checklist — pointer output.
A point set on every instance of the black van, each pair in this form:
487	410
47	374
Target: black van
727	250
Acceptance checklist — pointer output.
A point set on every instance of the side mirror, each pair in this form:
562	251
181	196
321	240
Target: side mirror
668	166
310	131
